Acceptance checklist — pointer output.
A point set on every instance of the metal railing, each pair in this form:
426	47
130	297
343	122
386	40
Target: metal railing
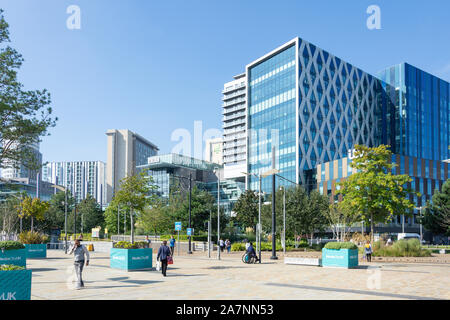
116	238
8	236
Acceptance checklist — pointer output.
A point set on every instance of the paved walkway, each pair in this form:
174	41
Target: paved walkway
198	277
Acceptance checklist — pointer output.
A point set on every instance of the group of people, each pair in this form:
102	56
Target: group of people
81	256
225	244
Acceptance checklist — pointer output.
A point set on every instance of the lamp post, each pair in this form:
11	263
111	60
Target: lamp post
190	196
284	219
259	177
420	217
216	170
65	213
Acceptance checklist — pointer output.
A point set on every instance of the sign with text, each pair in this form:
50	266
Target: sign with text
189	231
177	226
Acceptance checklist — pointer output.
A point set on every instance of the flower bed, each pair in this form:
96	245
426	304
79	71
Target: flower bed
127	256
340	254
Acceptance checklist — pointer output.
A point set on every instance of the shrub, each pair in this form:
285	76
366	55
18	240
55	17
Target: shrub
129	245
10	267
238	246
11	245
341	245
401	248
31	237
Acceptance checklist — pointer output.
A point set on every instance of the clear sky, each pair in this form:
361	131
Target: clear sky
156	66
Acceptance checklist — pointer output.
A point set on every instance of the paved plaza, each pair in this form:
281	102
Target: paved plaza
198	277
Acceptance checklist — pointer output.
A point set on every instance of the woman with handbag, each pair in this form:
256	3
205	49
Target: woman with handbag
163	255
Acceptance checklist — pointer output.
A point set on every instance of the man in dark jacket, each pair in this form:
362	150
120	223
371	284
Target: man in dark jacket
163	253
251	252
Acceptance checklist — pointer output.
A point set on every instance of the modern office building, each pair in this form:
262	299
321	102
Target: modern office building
80	177
20	170
417	122
10	187
235	127
214	151
173	172
312	106
126	151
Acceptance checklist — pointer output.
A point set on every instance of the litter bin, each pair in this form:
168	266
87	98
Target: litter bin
90	247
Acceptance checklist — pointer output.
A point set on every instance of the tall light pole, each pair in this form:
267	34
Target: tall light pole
420	217
216	170
284	219
258	235
190	196
65	213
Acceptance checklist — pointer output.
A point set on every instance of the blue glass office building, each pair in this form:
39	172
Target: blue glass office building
312	106
417	122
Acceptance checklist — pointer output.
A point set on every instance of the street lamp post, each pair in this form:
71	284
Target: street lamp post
284	219
216	170
258	235
190	196
65	213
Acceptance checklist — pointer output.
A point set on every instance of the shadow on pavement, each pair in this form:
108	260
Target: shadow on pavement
362	292
42	269
185	275
140	282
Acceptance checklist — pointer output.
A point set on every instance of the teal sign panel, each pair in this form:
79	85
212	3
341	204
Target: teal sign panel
131	259
177	226
36	250
15	285
16	257
343	258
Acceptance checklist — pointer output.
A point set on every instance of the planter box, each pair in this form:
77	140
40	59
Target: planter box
16	257
342	258
36	250
131	259
15	285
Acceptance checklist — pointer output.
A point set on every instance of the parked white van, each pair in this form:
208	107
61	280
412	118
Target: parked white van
407	236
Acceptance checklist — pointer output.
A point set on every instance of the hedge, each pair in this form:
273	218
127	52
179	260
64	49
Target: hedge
11	245
10	267
341	245
129	245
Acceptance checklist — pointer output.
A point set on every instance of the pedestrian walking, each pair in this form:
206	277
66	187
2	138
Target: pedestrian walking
163	254
221	244
228	245
81	254
149	242
368	251
172	245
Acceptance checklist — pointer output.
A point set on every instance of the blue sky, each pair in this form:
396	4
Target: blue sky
155	66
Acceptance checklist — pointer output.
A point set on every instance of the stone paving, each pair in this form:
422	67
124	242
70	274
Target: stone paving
199	277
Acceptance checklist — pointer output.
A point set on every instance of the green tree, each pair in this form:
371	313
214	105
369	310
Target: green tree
156	219
437	214
132	198
90	213
202	203
373	192
25	115
54	218
33	208
247	209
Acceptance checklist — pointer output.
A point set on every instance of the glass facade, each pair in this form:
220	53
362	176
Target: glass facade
420	113
272	110
312	106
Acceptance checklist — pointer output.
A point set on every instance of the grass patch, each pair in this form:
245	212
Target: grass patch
401	248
